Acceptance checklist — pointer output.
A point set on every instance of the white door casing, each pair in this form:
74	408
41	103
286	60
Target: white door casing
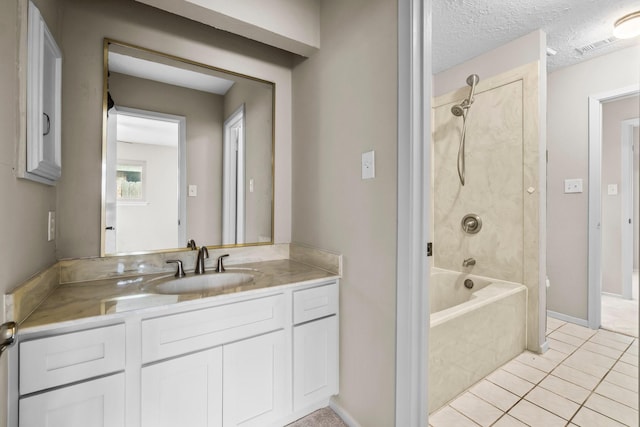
595	199
626	193
233	180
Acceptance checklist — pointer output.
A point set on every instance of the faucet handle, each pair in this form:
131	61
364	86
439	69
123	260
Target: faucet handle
192	244
220	267
180	272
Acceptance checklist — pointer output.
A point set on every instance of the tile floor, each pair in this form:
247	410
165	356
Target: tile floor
587	378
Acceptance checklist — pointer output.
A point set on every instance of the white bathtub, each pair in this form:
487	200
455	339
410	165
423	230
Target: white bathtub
472	331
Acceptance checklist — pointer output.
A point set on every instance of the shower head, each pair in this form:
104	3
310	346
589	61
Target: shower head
457	110
460	109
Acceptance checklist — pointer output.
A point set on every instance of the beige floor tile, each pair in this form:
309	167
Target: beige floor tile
609	341
525	372
627	369
555	355
510	382
560	346
552	402
615	336
537	361
448	417
629	358
575	376
589	362
569	339
565	389
577	331
588	418
554	323
508	421
619	394
612	409
533	415
601	349
477	409
624	381
633	348
495	395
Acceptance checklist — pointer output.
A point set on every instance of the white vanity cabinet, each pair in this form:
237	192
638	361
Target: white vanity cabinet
185	391
262	359
256	378
315	345
74	358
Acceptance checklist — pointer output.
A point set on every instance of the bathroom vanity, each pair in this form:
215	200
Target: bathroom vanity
262	353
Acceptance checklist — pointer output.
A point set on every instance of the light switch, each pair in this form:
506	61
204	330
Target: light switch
573	185
251	185
368	165
612	189
193	190
51	226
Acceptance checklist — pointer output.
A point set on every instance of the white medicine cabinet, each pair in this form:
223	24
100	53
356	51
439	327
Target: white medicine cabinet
44	93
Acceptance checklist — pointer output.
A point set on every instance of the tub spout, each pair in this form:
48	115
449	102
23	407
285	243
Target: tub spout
469	262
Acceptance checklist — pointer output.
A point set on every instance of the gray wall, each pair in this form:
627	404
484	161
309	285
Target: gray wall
568	145
613	113
24	204
85	24
258	153
344	104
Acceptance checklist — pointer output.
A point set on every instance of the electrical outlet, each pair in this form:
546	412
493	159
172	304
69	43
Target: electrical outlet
51	226
573	185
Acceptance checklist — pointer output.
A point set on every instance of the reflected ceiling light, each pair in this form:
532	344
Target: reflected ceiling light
628	26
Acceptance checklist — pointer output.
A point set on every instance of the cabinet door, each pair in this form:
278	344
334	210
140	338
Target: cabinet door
186	391
97	403
255	378
315	362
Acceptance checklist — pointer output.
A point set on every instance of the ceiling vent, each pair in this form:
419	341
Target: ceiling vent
596	45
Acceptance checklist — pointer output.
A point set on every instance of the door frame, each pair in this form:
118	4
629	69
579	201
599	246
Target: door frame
626	193
233	179
414	216
595	198
182	168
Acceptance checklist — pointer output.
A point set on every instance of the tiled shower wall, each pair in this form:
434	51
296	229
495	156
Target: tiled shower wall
502	183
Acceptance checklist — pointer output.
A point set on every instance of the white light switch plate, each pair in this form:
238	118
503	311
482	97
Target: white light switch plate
612	189
368	165
193	190
573	185
51	226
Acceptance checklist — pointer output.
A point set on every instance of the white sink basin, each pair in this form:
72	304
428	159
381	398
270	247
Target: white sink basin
200	283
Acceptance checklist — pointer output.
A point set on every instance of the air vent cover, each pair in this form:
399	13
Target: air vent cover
596	45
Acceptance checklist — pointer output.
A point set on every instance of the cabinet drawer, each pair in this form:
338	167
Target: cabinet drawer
314	303
182	333
63	359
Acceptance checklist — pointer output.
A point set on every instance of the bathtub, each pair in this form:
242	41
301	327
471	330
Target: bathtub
472	331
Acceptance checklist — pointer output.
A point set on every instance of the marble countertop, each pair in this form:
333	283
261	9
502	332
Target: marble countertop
102	298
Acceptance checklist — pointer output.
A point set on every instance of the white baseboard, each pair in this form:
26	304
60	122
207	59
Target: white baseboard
544	347
566	318
346	417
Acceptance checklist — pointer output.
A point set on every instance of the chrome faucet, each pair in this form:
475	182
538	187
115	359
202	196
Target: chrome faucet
203	253
468	262
192	244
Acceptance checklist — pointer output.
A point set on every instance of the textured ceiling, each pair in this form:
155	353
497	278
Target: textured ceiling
463	29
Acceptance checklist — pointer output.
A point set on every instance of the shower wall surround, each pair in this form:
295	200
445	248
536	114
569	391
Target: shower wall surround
502	179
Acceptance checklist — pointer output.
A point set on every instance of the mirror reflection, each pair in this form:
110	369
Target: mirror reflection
187	154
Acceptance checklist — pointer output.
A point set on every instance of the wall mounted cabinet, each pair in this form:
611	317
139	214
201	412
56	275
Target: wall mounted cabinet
44	94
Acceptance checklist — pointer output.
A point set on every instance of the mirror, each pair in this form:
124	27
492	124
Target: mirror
187	154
